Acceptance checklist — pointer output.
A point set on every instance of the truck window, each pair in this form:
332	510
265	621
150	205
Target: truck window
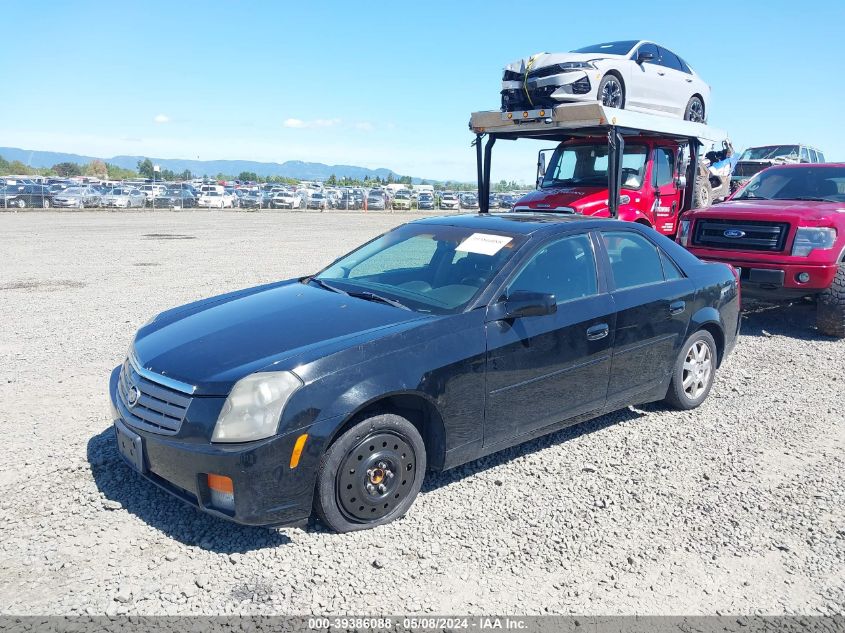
664	166
821	157
805	155
586	166
813	156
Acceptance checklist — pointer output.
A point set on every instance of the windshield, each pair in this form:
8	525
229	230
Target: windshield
586	165
772	151
609	48
428	268
117	191
72	191
796	183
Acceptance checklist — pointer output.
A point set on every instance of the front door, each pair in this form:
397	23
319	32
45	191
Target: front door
667	196
653	300
544	369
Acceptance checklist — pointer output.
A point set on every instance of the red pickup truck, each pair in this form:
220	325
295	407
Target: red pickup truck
785	231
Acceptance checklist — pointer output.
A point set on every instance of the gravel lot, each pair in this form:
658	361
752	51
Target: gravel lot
736	507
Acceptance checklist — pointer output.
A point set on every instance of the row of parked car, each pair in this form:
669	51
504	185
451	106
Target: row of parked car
21	193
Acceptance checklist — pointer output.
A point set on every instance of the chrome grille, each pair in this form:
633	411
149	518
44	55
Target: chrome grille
755	235
158	409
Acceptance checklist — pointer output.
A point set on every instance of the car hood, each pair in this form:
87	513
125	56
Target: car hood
546	59
586	200
793	211
213	343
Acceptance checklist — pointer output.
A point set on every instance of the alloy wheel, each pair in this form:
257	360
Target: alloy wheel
376	476
698	367
696	111
611	93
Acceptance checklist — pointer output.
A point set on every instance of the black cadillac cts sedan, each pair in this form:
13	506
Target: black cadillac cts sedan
438	342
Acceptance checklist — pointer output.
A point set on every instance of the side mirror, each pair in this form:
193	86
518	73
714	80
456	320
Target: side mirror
644	56
541	167
524	304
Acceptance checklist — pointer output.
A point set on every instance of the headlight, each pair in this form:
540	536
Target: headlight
683	233
808	239
567	66
254	406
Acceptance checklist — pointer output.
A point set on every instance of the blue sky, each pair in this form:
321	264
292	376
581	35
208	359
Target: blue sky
383	84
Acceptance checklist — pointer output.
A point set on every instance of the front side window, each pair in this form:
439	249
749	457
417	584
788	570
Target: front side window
670	60
664	166
565	268
428	268
634	260
586	165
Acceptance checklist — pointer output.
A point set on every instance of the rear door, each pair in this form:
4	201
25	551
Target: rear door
678	84
545	369
653	302
667	196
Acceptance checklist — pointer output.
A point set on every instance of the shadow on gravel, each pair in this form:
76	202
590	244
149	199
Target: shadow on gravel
119	483
433	481
796	320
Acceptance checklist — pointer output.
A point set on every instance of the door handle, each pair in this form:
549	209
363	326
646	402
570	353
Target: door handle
660	73
677	307
689	81
598	332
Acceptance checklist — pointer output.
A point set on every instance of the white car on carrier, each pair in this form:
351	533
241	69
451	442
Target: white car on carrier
631	75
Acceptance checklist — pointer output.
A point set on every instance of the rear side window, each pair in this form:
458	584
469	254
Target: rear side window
813	156
670	270
670	60
634	260
805	155
821	157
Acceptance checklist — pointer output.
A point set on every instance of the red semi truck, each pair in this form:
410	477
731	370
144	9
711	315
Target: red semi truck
608	162
785	232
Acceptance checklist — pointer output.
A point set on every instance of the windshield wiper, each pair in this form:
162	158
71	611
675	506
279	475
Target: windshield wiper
324	285
371	296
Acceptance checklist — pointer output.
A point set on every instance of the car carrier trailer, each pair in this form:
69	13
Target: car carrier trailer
571	122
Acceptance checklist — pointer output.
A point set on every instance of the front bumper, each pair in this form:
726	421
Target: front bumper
776	280
547	92
267	491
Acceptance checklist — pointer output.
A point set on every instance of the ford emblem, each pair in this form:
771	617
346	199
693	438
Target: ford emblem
734	233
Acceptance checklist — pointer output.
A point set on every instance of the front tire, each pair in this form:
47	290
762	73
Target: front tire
21	203
371	475
611	92
702	196
694	372
695	110
830	316
45	203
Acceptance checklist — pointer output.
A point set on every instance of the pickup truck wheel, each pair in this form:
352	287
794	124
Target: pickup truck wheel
694	371
371	475
830	317
702	196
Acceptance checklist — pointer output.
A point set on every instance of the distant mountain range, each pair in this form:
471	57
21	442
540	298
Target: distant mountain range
289	169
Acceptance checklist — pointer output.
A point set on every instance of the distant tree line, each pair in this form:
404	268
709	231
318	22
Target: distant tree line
146	169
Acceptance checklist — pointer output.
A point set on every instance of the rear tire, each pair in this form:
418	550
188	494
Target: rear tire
694	372
830	315
371	475
46	203
702	196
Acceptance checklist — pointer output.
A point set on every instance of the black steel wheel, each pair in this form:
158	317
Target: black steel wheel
611	92
371	474
695	110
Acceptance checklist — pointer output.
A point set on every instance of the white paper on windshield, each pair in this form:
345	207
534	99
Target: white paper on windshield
483	244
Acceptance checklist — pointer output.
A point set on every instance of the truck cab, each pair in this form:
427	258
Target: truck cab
575	179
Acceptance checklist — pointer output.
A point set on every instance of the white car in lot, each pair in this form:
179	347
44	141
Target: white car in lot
215	200
288	199
631	74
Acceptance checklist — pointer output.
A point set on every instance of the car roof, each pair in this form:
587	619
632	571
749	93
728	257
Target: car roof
522	223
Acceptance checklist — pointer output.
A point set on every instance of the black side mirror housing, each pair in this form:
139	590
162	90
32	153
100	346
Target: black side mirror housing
644	56
523	304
